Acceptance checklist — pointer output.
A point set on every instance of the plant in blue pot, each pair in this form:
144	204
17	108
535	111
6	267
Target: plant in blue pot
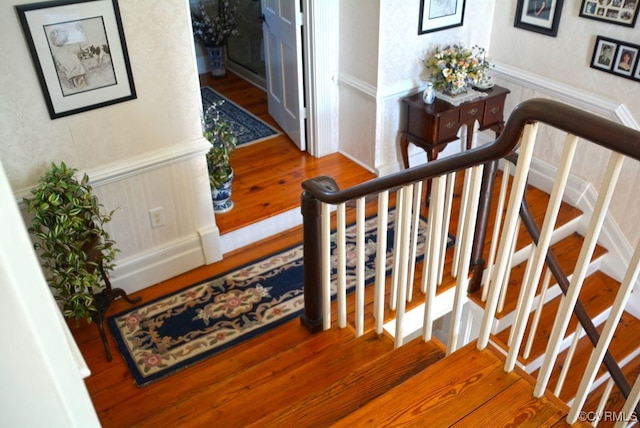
223	143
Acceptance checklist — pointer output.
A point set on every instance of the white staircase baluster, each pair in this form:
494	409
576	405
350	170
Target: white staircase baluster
496	229
325	228
451	181
568	303
508	232
603	400
400	195
530	284
629	405
597	356
360	260
341	250
462	218
402	251
415	223
507	273
431	260
381	260
462	283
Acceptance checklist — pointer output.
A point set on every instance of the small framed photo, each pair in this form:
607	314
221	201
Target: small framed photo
603	53
626	59
616	57
79	53
539	15
619	12
436	15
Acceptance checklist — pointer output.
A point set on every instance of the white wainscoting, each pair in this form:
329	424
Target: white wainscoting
175	179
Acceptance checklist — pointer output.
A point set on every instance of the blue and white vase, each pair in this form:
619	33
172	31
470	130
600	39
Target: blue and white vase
221	197
217	61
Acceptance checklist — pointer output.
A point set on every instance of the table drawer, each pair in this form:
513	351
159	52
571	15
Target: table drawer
448	125
472	112
493	110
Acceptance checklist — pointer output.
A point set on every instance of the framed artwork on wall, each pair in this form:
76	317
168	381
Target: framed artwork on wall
436	15
79	53
616	57
619	12
539	15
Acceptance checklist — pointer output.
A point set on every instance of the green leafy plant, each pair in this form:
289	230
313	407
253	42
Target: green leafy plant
68	226
223	143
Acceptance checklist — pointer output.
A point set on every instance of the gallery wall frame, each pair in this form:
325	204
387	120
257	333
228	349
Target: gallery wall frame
79	53
437	15
619	12
617	57
539	16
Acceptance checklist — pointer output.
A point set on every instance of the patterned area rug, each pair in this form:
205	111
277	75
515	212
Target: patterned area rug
245	125
173	332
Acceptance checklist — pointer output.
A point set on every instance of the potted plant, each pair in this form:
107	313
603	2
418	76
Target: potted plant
223	142
213	24
68	225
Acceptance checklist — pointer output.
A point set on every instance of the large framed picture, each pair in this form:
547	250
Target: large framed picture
620	12
539	15
79	53
436	15
616	57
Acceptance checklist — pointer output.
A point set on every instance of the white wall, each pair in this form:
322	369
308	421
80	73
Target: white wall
565	60
381	61
140	154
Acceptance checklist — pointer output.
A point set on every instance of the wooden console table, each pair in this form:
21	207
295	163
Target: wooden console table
433	126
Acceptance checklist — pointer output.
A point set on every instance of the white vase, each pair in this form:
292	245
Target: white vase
217	61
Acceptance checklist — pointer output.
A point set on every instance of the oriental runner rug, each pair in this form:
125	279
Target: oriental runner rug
173	332
247	127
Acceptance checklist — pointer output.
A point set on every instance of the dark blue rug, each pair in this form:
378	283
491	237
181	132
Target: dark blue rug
173	332
247	127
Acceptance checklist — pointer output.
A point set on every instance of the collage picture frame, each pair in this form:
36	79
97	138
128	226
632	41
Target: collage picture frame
619	12
616	57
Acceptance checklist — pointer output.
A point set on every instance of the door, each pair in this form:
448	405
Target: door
282	31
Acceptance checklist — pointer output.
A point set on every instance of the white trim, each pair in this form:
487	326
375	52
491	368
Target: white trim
359	85
136	165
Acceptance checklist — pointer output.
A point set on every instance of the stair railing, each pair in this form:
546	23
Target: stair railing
321	194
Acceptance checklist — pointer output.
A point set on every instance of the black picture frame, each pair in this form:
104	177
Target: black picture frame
437	15
619	12
79	53
616	57
539	16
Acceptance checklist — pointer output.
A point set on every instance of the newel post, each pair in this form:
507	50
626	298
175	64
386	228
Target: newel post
312	266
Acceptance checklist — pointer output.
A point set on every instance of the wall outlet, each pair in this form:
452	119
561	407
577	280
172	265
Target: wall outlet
156	217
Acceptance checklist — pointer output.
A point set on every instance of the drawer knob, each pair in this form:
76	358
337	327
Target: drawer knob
473	111
495	110
450	124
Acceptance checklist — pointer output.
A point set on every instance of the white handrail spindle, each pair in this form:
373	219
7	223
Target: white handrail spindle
451	180
360	260
567	362
381	260
341	250
415	223
537	314
462	218
325	229
397	244
403	254
465	257
629	405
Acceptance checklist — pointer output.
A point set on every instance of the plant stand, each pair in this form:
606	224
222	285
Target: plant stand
103	300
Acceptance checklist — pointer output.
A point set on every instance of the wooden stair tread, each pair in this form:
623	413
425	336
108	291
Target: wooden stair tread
597	295
278	382
619	348
457	387
358	387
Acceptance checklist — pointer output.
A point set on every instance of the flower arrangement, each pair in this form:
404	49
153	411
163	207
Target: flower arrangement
216	21
223	142
455	66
